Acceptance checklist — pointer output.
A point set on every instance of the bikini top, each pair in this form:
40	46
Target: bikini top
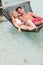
18	21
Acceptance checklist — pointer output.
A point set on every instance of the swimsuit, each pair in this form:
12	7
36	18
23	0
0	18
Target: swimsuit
38	19
25	22
18	21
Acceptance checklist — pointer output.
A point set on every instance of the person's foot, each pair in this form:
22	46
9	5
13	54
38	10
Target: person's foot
37	29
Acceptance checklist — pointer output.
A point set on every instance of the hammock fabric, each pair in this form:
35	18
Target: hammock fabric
25	5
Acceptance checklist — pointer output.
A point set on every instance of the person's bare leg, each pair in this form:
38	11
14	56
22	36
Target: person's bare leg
39	22
30	23
24	27
42	22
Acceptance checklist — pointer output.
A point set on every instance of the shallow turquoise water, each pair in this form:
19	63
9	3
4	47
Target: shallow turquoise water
25	48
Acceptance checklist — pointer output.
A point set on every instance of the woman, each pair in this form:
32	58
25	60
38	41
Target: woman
15	20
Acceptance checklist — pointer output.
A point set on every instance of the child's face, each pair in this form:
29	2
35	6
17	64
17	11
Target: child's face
21	18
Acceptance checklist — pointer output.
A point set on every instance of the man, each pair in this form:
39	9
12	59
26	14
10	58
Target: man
31	16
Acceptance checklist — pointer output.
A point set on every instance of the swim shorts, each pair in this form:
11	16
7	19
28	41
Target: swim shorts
38	19
25	22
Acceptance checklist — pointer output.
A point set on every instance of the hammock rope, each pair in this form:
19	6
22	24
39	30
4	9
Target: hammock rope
13	4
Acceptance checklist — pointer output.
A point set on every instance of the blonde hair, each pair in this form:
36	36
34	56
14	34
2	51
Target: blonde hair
11	13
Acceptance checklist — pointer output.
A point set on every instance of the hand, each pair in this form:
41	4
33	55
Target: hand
19	30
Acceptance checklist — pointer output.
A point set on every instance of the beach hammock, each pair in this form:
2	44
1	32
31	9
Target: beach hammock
25	5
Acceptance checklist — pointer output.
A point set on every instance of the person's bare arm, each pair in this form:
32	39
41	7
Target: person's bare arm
14	22
33	14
